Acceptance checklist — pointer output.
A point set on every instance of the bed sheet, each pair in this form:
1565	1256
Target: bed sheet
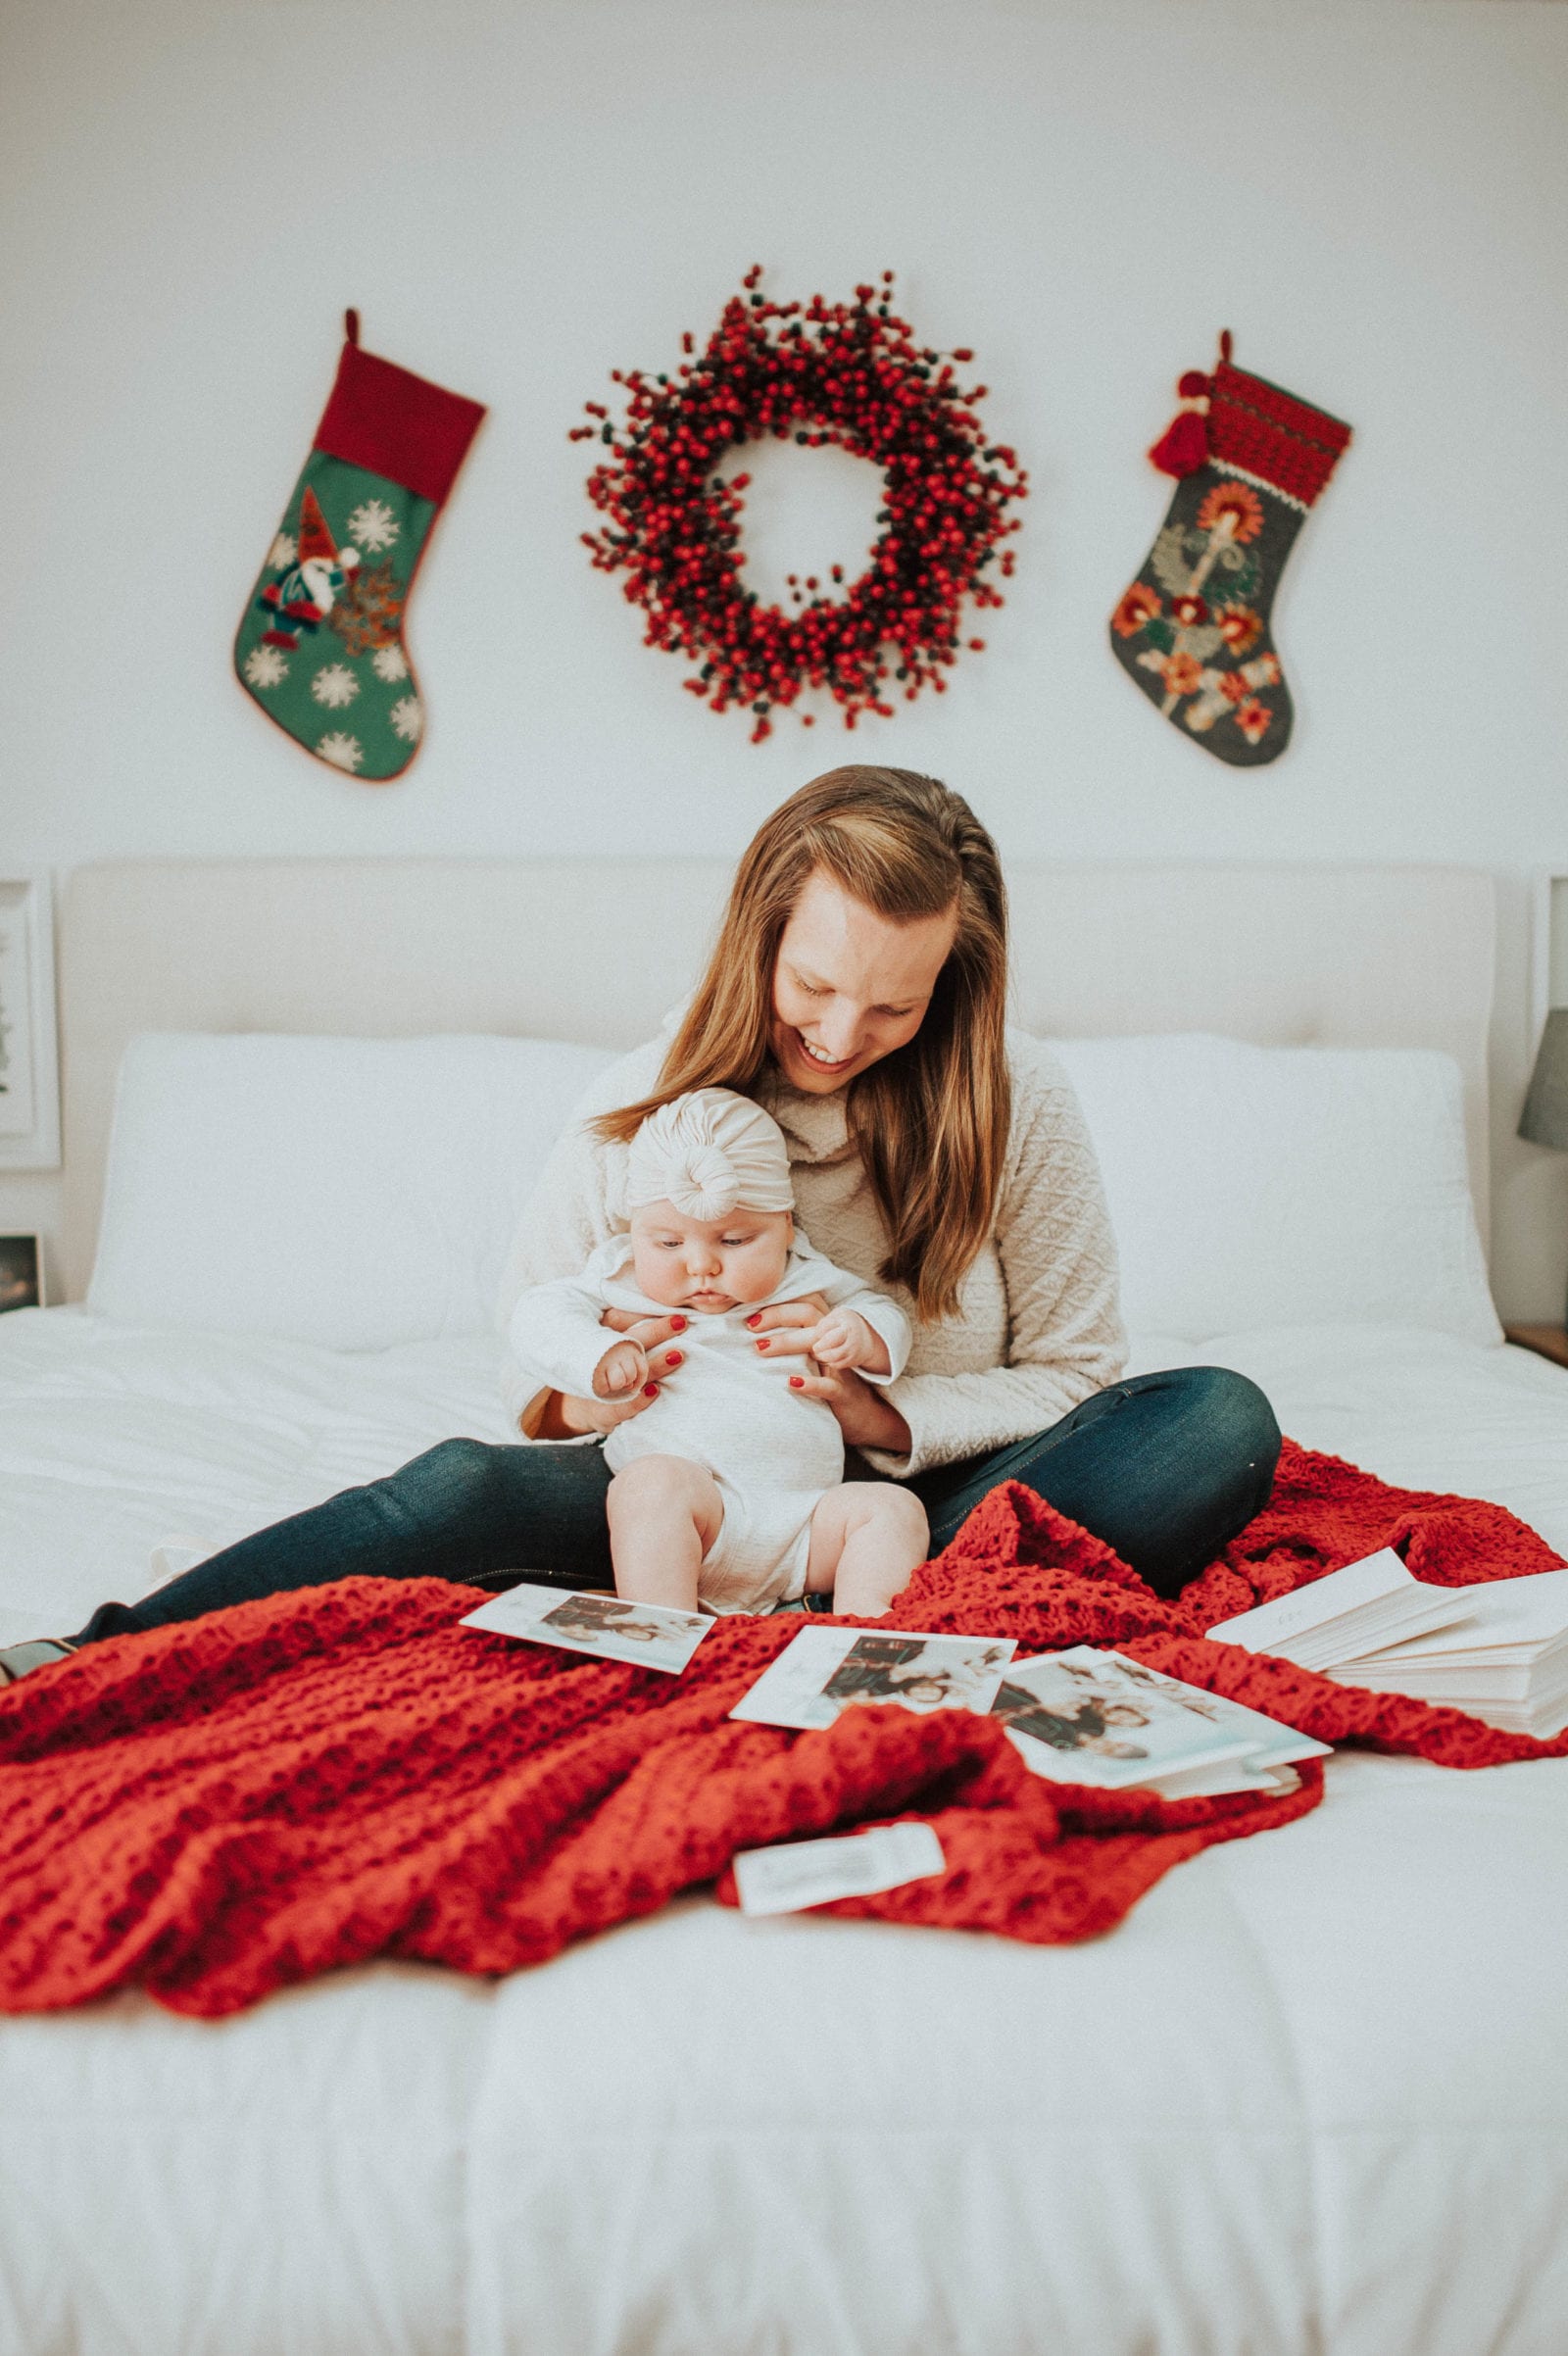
117	1439
1421	1409
1312	2093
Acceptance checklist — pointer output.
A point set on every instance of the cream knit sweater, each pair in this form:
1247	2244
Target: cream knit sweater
1039	1328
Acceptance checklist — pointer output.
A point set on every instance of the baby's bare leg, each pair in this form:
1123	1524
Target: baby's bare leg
665	1513
867	1537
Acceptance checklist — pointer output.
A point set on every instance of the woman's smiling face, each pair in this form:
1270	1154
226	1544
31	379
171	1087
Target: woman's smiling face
850	986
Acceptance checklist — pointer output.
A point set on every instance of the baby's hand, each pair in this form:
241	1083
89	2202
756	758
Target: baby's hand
847	1339
622	1368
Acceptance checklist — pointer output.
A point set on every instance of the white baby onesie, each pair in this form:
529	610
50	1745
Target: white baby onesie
771	1452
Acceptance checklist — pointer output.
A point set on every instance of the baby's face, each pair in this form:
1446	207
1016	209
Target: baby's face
708	1265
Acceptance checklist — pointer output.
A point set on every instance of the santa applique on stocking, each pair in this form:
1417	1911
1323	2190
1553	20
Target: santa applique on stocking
1193	629
309	586
322	647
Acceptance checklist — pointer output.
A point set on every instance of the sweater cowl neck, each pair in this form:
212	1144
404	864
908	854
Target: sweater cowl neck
818	1127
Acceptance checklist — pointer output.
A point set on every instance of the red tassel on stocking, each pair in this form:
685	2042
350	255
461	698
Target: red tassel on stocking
1183	447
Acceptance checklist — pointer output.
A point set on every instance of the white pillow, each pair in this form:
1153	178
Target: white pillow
1262	1186
354	1192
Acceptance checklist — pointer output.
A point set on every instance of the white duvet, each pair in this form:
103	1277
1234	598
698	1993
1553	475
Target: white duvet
1312	2095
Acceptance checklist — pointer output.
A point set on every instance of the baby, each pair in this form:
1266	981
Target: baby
728	1488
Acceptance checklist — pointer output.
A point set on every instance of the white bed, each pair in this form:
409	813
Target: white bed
1313	2094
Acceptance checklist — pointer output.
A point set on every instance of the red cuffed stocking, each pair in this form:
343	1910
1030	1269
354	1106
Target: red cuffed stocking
322	647
1193	630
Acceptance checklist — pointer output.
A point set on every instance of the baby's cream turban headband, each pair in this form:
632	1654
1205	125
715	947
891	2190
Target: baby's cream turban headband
708	1152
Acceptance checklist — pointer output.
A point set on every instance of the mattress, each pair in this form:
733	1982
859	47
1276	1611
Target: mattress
1312	2093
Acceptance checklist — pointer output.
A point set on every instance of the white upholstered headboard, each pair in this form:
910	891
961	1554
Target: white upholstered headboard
595	949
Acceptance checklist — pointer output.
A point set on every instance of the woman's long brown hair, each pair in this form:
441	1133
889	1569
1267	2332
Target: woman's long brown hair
931	1119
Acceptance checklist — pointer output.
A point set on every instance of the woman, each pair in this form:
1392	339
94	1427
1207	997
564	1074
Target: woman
857	991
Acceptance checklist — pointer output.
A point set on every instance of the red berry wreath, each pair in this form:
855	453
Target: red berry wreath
849	373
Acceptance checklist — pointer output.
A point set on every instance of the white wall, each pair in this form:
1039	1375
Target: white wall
520	198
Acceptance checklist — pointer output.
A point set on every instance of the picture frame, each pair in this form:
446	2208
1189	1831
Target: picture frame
22	1273
1548	963
29	1052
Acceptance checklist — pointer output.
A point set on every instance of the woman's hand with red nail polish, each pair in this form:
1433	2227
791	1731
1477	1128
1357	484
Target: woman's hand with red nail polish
787	1326
651	1332
568	1419
865	1417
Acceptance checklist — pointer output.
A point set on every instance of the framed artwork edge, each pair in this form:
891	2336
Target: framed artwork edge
28	893
1548	945
40	1285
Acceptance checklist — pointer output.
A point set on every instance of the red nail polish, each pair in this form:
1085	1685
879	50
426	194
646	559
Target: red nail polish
675	1359
650	1390
752	1319
677	1325
762	1342
796	1382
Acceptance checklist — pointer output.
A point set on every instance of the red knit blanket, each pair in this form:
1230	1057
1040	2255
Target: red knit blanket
213	1810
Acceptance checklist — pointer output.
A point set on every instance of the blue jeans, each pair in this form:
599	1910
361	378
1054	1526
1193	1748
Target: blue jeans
1166	1468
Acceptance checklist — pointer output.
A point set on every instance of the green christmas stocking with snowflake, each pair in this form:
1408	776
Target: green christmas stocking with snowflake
321	646
1192	631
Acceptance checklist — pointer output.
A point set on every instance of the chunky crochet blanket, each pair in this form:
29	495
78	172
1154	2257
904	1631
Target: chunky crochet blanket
216	1809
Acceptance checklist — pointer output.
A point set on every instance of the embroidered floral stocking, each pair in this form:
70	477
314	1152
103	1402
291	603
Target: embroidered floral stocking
320	647
1192	631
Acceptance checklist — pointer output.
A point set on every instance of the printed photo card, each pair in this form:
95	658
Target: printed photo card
1087	1716
1083	1716
856	1865
654	1636
827	1669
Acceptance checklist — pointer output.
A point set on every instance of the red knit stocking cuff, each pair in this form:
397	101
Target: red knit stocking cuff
391	422
1254	426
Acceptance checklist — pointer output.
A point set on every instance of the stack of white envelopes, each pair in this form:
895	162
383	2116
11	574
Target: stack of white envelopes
1497	1650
